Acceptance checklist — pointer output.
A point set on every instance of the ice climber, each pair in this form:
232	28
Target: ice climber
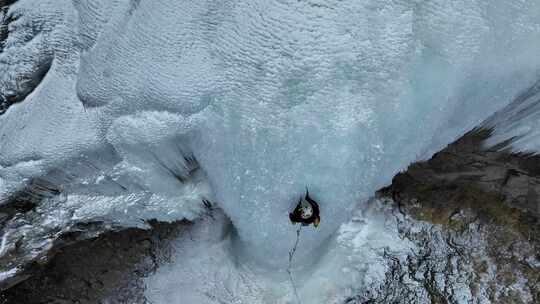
306	212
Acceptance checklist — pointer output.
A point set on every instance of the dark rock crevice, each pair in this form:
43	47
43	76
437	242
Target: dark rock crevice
105	269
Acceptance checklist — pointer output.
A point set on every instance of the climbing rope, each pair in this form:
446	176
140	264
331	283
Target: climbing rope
289	269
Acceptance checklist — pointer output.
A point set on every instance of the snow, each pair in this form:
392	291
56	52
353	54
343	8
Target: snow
269	97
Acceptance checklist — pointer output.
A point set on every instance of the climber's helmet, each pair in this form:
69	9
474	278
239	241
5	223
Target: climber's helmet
306	211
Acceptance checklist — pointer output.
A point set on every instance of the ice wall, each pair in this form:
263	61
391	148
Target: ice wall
274	96
50	124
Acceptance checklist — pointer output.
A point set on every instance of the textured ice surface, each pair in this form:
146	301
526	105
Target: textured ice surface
50	125
268	96
517	126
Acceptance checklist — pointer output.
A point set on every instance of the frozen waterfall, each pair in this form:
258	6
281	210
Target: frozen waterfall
247	103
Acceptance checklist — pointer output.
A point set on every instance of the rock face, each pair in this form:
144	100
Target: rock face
472	213
482	241
30	237
105	269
